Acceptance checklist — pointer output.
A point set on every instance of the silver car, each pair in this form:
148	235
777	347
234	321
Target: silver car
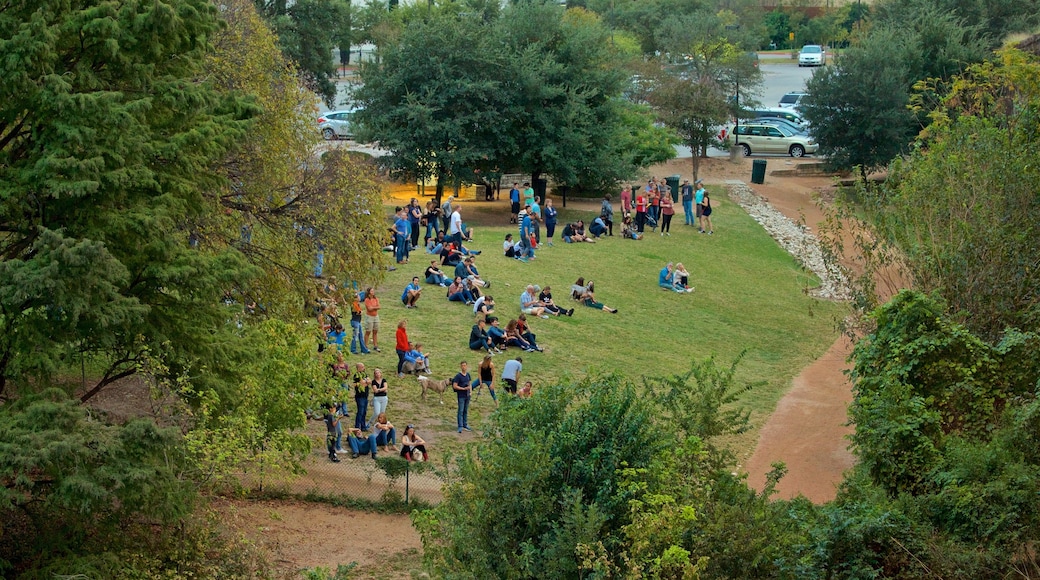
336	124
760	138
812	55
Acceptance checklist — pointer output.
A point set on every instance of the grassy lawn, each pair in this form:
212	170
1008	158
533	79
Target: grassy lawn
749	296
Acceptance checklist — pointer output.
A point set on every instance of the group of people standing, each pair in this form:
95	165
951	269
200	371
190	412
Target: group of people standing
652	205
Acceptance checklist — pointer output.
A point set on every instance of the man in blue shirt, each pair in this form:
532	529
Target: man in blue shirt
461	384
401	230
514	203
411	293
664	279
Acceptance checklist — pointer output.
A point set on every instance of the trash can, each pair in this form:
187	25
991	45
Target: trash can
758	171
673	184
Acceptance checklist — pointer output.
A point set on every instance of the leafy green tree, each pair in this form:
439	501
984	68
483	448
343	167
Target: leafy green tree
71	475
945	431
778	26
97	179
692	109
644	19
434	106
596	479
280	203
991	21
960	208
545	492
562	86
857	108
307	31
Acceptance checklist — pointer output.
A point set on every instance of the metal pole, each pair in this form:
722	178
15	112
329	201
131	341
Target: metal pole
407	470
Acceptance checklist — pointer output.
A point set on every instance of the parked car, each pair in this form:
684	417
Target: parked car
812	55
759	138
336	124
786	114
791	100
778	122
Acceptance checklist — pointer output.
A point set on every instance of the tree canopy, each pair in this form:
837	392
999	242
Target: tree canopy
535	91
108	145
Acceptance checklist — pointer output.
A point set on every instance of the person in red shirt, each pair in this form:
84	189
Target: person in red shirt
640	211
402	346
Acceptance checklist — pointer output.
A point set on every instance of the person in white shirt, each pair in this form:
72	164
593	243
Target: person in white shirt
455	224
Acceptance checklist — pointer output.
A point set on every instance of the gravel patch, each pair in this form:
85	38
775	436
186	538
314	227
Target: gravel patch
796	238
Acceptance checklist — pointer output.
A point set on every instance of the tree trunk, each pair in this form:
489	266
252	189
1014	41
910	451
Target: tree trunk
695	161
440	185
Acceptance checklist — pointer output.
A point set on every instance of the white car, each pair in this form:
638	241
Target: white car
336	124
812	55
791	100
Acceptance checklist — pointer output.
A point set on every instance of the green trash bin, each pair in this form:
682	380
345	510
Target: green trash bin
673	184
758	171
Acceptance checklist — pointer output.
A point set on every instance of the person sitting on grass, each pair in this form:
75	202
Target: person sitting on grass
511	248
545	296
413	448
529	303
416	361
435	275
468	269
526	390
525	331
681	279
628	230
484	306
434	245
361	444
515	338
598	227
478	337
585	293
496	332
458	292
386	435
664	278
450	255
412	293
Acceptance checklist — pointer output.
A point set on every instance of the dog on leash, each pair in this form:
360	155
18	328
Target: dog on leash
429	384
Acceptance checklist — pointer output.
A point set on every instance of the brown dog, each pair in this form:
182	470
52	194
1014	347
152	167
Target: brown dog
429	384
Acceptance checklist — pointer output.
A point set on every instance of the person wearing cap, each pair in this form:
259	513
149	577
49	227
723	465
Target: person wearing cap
698	198
687	202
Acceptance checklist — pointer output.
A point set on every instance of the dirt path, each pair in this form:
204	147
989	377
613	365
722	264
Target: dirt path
807	431
297	535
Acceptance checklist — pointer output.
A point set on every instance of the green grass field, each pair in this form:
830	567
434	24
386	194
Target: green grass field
750	295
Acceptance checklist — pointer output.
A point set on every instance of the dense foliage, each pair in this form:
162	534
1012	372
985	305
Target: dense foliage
536	90
107	146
